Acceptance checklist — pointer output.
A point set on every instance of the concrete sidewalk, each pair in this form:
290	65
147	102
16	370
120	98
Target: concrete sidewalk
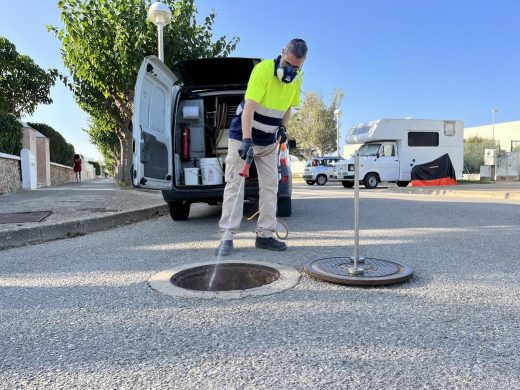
75	209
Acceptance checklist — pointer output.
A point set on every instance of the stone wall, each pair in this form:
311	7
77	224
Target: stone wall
61	174
10	174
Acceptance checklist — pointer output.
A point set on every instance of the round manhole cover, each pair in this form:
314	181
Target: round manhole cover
231	279
376	272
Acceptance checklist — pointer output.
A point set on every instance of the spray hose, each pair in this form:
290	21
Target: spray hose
244	172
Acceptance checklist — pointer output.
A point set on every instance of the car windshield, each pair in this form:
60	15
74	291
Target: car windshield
369	150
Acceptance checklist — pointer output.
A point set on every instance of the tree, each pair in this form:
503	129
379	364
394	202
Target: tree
10	134
474	149
23	84
314	125
103	45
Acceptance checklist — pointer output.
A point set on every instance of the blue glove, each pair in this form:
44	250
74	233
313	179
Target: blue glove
247	143
281	134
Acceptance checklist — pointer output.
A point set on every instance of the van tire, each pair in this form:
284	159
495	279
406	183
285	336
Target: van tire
348	184
310	182
371	181
402	183
321	180
284	208
179	210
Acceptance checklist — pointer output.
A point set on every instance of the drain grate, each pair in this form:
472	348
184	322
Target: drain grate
32	216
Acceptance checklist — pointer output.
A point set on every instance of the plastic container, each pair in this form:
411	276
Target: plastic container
191	176
211	171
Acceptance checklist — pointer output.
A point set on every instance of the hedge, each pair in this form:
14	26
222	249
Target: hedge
96	166
61	151
10	134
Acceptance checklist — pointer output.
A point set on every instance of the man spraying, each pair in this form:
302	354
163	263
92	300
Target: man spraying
273	89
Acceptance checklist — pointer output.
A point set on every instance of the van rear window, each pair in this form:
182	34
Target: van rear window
423	138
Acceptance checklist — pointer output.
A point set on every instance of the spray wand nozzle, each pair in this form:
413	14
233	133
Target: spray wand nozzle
244	172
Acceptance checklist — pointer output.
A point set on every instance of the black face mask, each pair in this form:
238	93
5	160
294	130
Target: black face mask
286	74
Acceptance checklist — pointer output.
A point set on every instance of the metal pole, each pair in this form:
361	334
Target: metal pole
493	112
355	270
160	48
337	133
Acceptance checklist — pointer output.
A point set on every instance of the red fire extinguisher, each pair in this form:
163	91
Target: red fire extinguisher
185	143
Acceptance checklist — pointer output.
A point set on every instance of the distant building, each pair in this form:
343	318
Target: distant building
506	133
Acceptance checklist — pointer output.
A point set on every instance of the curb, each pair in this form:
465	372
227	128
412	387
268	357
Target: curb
461	193
70	229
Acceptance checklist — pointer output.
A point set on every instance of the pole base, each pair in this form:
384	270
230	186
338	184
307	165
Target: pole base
360	259
355	271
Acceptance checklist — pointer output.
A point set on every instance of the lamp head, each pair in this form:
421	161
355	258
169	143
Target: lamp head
159	14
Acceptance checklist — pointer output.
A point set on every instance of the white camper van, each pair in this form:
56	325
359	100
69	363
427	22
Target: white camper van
390	148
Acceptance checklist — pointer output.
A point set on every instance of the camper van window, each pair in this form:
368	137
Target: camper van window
369	150
387	151
423	138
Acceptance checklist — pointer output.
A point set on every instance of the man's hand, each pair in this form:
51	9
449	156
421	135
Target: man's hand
281	134
246	144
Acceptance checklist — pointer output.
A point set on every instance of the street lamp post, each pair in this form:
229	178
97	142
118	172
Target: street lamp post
337	113
493	111
160	15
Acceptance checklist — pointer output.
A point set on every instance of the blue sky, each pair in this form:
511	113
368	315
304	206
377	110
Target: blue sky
433	59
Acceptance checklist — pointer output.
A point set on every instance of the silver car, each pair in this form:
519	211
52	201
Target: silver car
319	170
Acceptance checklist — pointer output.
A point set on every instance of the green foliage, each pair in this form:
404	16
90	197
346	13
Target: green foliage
474	149
10	134
96	166
314	127
61	151
23	84
103	45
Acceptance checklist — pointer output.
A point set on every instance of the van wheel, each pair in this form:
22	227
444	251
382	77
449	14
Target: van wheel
348	184
402	183
371	181
321	180
284	208
179	210
310	182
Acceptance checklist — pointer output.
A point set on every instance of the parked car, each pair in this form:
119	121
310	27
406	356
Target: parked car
319	170
180	132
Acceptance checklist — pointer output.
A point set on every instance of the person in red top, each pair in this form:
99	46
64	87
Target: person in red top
77	168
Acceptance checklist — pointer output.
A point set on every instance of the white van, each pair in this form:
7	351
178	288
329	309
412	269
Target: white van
180	132
392	147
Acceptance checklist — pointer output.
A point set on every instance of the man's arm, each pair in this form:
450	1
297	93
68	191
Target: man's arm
247	118
285	120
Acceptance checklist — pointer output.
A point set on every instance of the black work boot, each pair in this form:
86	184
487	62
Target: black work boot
225	248
270	243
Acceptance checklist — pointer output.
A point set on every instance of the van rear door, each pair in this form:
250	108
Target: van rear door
152	125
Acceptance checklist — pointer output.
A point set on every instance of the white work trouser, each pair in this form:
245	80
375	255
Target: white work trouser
233	207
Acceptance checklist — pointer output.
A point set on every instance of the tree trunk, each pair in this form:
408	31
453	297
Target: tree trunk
126	156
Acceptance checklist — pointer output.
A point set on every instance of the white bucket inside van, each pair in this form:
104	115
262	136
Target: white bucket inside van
191	176
211	171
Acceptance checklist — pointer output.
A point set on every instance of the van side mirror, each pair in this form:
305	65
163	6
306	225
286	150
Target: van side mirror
291	143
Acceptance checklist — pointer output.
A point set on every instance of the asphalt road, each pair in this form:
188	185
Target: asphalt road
78	313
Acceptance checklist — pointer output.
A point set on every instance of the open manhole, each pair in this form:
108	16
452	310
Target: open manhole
225	277
231	279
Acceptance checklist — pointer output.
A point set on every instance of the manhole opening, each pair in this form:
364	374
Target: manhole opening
228	276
